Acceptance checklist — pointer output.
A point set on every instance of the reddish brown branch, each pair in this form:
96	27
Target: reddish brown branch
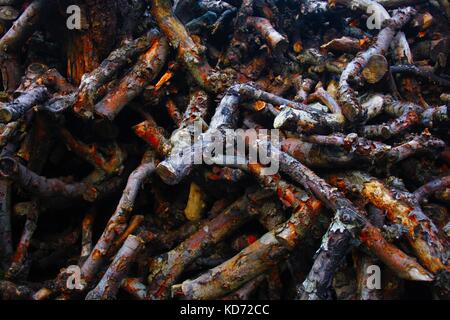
254	260
166	269
21	253
38	185
91	83
118	222
144	71
111	281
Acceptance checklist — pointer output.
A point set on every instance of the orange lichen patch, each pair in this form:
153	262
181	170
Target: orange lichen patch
382	198
305	215
292	146
363	41
298	47
96	254
340	183
163	80
255	167
152	53
276	178
286	196
289	196
314	204
260	105
148	133
291	236
422	34
426	132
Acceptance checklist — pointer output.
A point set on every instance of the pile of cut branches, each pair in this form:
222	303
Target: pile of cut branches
105	104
